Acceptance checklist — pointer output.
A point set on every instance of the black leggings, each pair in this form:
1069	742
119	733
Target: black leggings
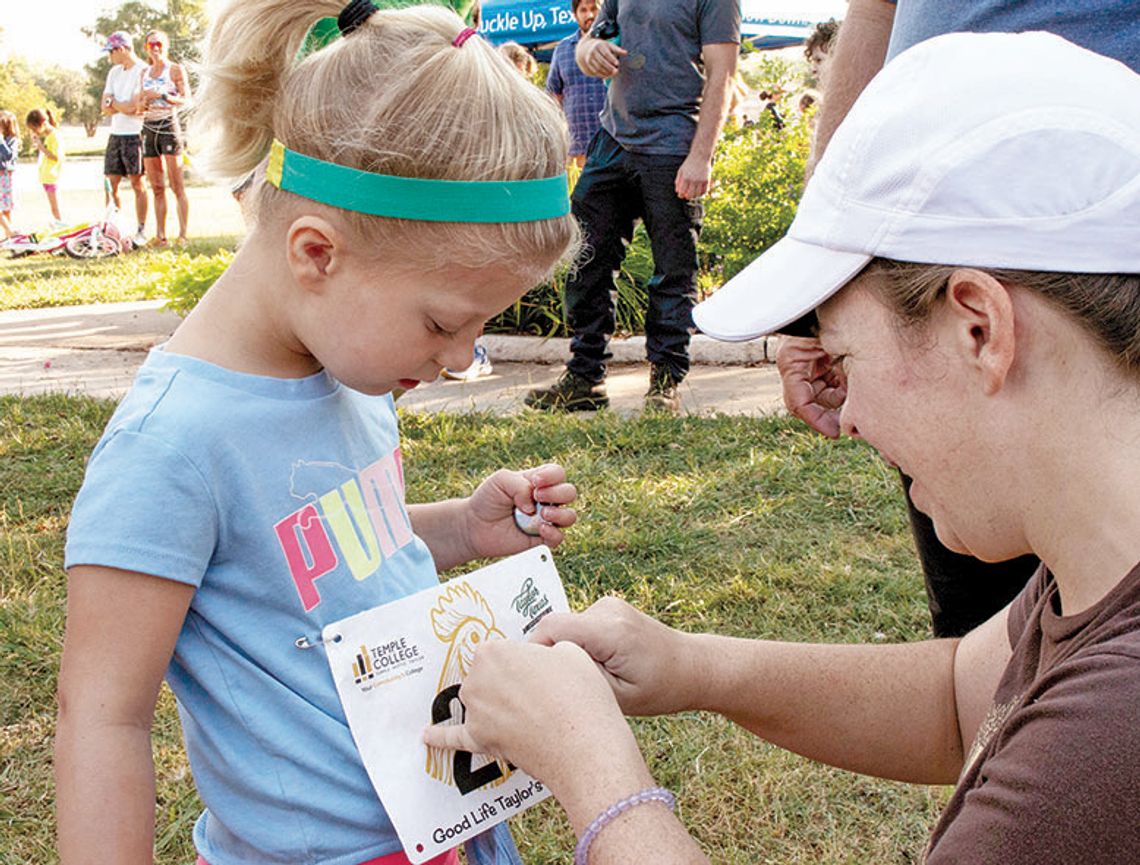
962	591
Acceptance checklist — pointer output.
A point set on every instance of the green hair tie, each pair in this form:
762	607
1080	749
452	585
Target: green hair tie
323	32
417	197
326	31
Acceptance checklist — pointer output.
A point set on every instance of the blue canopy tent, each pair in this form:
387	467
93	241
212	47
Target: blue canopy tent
764	23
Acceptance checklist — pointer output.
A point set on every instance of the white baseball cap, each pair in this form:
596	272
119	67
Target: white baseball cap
994	150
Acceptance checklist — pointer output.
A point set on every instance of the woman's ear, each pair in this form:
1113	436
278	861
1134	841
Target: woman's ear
314	250
981	315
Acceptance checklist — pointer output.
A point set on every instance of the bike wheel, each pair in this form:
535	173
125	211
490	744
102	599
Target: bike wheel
90	246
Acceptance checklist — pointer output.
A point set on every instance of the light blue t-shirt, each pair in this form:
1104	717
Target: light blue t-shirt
282	501
1109	27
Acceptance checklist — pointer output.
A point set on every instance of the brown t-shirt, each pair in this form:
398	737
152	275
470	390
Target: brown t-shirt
1054	773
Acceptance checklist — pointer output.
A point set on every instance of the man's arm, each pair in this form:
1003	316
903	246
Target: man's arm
554	84
859	53
813	390
720	67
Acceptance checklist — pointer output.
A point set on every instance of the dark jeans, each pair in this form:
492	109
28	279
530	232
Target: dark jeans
616	188
962	591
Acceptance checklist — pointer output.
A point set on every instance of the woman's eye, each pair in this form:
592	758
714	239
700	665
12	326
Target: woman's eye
437	328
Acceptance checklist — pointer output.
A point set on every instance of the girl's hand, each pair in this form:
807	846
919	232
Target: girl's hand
490	523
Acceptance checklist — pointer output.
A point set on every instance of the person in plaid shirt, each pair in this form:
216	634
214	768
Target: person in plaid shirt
580	96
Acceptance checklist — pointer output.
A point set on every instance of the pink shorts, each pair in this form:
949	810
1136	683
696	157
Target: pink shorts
448	858
49	187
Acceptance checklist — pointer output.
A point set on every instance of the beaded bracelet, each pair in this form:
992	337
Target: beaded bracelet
652	794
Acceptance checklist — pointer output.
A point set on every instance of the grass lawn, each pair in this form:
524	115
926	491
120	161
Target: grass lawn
737	525
55	280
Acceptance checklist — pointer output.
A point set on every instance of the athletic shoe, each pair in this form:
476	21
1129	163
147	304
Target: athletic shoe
480	366
663	395
139	240
570	393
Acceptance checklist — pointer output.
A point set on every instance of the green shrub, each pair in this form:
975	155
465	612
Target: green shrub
184	279
759	176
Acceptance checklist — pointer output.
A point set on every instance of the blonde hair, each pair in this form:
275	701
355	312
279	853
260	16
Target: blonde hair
394	97
522	59
1107	305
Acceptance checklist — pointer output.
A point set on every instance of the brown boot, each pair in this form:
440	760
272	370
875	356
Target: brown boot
664	394
570	393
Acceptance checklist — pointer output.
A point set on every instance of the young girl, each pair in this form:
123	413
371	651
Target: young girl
9	153
249	489
45	136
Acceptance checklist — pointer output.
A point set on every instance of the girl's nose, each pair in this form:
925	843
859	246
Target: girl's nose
459	354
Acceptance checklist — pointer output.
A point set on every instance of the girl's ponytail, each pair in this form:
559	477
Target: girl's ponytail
250	48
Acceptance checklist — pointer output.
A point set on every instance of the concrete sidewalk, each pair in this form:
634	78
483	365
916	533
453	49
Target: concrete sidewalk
96	350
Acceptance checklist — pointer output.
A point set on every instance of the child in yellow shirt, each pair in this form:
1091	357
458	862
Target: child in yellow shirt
45	135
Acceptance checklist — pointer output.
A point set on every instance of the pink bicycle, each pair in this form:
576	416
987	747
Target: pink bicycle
83	240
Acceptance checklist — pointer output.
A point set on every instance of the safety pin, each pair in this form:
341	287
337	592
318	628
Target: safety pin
303	642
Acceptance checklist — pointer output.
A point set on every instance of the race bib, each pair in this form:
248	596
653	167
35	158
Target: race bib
398	669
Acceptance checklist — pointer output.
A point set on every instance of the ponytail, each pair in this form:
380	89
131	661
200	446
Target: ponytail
249	51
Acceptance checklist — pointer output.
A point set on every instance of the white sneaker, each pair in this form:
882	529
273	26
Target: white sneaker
480	366
139	240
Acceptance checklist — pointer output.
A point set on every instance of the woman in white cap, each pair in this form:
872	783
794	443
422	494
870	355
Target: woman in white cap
969	251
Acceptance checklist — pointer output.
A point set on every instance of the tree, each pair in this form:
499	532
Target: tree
19	93
184	21
67	88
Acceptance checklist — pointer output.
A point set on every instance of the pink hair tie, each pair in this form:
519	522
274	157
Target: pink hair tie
464	34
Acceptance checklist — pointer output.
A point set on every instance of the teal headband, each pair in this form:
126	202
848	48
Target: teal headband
417	197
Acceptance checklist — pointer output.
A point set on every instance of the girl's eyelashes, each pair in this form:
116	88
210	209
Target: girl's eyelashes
437	328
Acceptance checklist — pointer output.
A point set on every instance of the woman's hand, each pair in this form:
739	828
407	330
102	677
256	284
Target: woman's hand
814	387
547	710
652	668
490	515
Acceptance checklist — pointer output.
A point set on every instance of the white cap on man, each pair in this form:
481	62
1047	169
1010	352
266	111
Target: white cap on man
1017	151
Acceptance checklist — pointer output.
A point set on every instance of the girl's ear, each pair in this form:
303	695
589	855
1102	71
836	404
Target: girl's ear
981	314
314	250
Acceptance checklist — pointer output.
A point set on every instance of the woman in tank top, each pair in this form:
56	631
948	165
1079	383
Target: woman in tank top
165	90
